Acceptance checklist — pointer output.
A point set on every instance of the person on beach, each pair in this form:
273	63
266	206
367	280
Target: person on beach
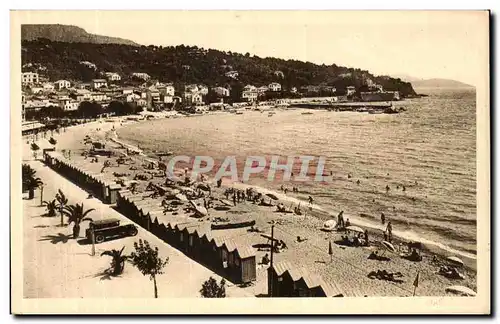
347	223
387	188
349	176
219	183
358	182
404	188
285	190
340	220
282	188
234	198
367	242
389	231
311	200
382	218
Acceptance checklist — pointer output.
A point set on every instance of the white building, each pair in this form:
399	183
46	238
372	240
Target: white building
81	95
29	77
232	74
69	104
99	83
62	84
250	95
113	76
141	75
249	87
88	64
48	86
166	98
275	86
263	89
36	90
98	96
167	90
127	91
223	92
193	98
203	89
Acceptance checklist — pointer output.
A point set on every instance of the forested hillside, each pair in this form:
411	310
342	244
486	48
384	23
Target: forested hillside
183	64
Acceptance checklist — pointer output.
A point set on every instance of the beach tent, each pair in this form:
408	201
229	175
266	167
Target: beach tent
329	225
461	290
388	246
455	260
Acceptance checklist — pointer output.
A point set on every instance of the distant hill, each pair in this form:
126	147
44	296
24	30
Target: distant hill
440	83
406	77
68	33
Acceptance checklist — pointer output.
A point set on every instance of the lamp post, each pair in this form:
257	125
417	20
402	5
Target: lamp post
41	194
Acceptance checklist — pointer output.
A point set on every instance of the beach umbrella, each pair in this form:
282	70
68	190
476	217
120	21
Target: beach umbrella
355	229
226	202
329	225
455	260
389	246
461	290
199	210
272	196
181	197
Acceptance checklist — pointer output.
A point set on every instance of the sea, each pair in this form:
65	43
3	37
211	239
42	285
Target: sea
430	149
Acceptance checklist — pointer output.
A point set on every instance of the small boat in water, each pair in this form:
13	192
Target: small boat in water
307	113
239	113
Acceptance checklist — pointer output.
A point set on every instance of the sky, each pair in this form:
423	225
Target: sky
422	44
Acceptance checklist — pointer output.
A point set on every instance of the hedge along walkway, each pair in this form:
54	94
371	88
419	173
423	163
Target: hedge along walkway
56	266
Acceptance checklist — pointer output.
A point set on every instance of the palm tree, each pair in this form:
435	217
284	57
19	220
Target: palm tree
117	261
27	172
61	202
52	141
31	184
76	214
51	207
35	148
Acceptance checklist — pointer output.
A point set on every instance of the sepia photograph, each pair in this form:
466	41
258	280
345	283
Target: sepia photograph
250	162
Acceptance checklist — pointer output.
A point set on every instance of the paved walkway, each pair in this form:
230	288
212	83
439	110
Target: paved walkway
56	266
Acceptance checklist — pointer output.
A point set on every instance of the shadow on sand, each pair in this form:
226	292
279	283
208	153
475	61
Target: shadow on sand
106	275
59	238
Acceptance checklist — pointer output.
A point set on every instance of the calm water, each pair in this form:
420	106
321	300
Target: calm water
430	149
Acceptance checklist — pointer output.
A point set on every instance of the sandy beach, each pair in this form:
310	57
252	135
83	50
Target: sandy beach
347	268
57	266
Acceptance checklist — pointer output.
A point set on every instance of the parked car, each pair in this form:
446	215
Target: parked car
109	228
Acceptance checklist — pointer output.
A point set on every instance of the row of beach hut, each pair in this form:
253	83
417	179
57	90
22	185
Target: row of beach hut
101	187
225	256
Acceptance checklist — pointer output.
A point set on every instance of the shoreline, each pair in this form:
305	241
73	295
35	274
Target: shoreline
401	237
349	270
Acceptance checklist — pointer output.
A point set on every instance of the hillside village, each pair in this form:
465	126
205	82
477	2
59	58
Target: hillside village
41	96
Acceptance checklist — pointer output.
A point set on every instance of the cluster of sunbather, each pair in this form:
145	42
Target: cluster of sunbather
385	275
